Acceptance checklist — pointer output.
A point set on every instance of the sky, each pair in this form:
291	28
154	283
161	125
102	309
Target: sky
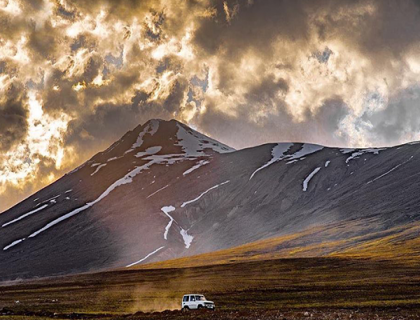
76	75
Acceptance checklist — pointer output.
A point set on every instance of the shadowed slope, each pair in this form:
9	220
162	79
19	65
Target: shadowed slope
165	191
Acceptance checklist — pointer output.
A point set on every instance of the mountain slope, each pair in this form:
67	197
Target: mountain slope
164	191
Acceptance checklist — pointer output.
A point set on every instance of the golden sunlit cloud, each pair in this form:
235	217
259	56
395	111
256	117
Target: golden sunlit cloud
20	164
76	75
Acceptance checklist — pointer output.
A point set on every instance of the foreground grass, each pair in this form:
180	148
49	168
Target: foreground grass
255	286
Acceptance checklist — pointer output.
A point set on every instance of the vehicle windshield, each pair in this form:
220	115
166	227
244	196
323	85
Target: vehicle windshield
200	298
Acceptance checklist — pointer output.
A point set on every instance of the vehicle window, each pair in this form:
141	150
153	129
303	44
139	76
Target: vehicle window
192	298
186	298
199	298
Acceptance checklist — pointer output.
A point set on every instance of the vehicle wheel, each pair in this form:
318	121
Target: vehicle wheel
185	309
200	307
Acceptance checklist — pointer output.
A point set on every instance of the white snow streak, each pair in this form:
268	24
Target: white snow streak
202	194
13	244
346	150
198	165
277	154
62	218
25	215
53	198
128	178
141	260
280	149
357	154
193	143
166	211
389	171
187	238
98	168
151	128
157	191
327	163
308	178
307	148
114	158
149	151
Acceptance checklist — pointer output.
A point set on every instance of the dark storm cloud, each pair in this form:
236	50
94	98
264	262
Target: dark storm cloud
63	100
321	123
266	91
326	120
42	42
108	121
92	68
384	30
399	118
268	70
13	113
255	27
176	95
102	125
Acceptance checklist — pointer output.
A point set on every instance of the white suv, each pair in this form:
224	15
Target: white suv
196	301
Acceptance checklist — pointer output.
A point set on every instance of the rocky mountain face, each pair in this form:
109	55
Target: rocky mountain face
164	191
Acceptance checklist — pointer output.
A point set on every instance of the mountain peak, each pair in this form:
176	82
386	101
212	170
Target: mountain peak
172	133
170	137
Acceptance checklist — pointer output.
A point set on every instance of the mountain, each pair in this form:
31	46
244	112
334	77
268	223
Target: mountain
165	191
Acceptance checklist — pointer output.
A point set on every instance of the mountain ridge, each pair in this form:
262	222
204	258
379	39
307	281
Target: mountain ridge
165	191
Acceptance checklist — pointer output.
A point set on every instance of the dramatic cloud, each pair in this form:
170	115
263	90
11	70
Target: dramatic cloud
76	75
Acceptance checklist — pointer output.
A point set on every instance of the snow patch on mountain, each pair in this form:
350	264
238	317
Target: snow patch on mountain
307	149
357	154
194	143
128	178
308	178
198	165
152	194
389	171
346	150
141	260
149	151
166	211
327	163
277	154
187	238
203	193
52	198
151	128
25	215
13	244
114	158
98	168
